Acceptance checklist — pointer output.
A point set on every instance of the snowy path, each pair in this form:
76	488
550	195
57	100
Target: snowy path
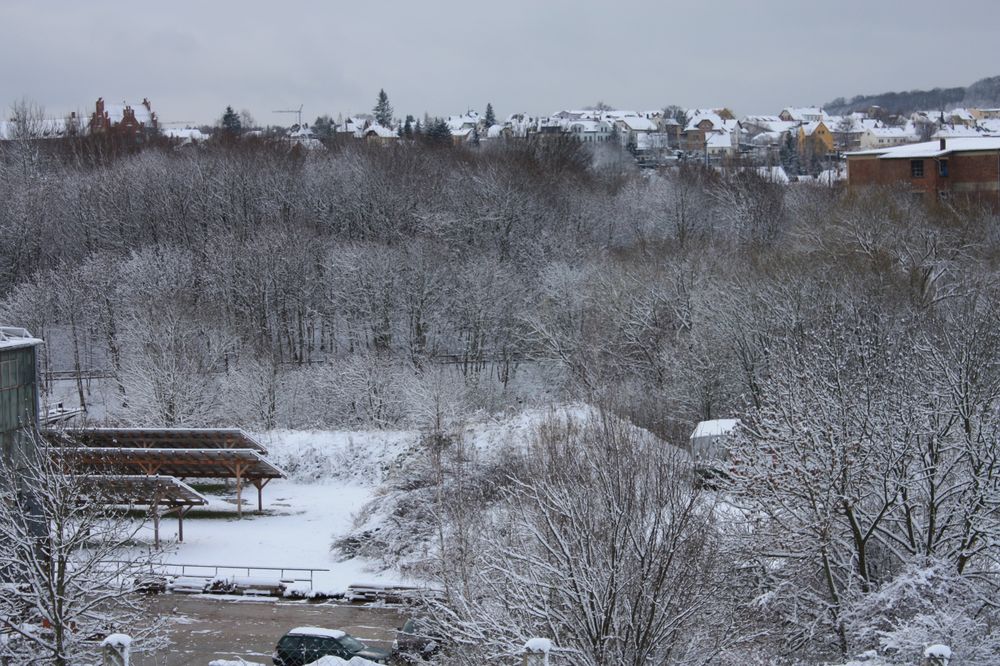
306	519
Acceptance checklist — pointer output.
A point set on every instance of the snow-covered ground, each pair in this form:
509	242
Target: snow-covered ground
331	476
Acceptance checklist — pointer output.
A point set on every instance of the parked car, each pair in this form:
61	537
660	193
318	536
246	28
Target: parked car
304	645
414	642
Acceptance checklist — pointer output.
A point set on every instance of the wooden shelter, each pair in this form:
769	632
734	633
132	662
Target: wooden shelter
181	462
162	494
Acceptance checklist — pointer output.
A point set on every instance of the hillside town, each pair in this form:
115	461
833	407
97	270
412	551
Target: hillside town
798	144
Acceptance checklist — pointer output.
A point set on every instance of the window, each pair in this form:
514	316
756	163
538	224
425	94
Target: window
916	168
943	168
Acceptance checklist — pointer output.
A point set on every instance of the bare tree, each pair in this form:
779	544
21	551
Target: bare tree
68	562
601	543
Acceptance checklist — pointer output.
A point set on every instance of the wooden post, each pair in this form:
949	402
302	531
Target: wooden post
239	490
259	484
180	522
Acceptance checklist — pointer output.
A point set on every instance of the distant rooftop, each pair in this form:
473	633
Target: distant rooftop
12	337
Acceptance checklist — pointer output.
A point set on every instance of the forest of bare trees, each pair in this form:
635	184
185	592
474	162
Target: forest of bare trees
853	332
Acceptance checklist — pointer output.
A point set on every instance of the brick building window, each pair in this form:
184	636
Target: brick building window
943	168
916	168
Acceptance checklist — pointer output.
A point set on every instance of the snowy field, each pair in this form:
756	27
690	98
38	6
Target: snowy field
331	476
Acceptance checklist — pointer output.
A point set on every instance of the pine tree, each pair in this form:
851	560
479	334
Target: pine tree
437	133
231	124
383	110
408	128
490	118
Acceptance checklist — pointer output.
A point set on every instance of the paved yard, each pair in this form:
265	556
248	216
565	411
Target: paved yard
202	628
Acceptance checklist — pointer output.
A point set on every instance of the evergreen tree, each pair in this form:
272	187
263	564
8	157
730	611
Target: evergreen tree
490	118
383	110
408	128
437	133
324	127
232	126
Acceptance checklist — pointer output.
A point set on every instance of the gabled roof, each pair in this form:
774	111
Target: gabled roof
638	124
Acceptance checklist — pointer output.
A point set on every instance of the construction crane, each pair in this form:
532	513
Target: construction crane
297	111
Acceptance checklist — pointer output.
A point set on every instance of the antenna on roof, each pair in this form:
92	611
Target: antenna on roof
296	111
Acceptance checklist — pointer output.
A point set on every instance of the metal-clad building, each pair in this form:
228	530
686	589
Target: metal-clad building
18	390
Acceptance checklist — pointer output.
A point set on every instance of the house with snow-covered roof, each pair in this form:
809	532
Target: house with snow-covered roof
815	138
967	168
805	114
123	119
590	131
887	137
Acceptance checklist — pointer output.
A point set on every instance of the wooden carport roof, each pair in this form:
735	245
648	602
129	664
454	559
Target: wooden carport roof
236	464
156	438
162	494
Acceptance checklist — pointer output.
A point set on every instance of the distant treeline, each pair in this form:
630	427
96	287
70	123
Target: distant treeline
982	93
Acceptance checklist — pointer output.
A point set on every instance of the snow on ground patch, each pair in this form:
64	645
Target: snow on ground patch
306	518
331	476
314	456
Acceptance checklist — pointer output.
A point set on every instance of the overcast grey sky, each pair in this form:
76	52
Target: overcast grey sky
192	58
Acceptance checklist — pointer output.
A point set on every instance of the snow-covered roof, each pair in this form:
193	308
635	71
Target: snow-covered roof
714	428
638	124
891	132
466	120
187	133
933	148
588	126
718	141
381	132
804	113
12	337
810	128
700	116
494	131
318	631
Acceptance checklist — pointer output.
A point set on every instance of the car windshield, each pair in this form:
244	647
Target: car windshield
351	644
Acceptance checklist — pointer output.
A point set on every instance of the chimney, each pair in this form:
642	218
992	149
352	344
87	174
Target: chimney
942	143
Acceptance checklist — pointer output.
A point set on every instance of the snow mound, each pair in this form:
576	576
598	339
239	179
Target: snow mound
323	455
468	466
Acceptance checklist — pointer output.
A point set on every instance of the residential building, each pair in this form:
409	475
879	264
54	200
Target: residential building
815	138
966	168
887	137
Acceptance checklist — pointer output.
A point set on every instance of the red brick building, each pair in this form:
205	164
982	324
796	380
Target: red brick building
946	168
123	119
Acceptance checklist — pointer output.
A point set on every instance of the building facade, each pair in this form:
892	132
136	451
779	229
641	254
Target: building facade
18	390
967	168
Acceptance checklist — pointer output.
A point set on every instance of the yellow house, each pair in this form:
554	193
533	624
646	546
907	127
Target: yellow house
815	138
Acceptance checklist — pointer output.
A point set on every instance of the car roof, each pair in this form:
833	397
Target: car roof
317	631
